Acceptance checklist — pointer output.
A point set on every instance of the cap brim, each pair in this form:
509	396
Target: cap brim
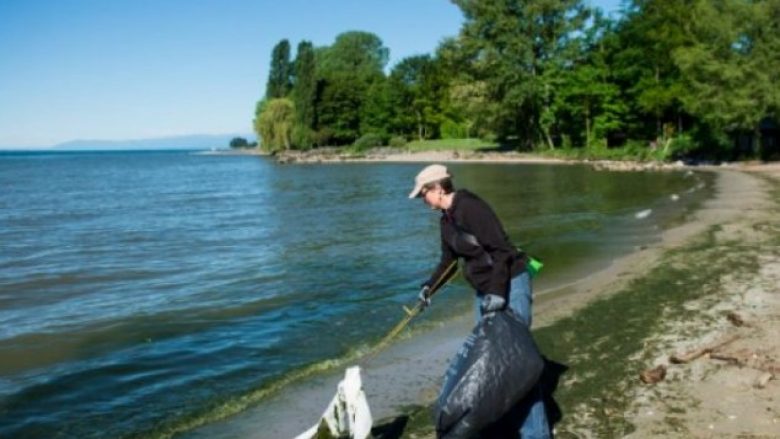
416	191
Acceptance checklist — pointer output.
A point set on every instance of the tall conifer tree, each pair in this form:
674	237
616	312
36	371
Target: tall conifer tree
304	93
279	83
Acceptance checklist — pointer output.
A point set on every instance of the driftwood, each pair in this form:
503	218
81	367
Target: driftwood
762	380
654	375
736	319
740	357
748	358
689	356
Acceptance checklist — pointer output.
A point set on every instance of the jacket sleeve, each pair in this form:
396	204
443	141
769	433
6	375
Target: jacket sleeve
483	223
447	258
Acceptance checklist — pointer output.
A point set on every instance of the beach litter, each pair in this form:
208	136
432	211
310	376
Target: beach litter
687	357
654	375
347	415
495	368
643	214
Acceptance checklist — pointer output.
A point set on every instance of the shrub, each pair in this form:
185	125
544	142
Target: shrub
302	137
452	130
323	137
274	124
397	141
679	147
366	141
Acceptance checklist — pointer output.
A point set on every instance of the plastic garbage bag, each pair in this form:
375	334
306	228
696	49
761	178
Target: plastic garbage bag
348	414
494	369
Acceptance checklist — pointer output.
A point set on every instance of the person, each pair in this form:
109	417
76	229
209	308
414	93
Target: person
496	269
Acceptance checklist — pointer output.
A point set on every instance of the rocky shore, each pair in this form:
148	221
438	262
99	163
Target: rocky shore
395	155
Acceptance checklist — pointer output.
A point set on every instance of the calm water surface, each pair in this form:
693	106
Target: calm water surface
141	291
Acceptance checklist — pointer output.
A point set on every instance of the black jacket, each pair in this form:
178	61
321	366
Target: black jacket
472	231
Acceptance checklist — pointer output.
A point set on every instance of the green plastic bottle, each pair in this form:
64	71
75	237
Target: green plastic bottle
534	266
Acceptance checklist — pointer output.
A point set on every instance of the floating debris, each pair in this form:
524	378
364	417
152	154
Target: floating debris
643	214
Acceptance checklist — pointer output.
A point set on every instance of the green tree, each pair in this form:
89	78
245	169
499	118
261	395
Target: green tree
651	31
304	95
377	111
360	53
588	103
275	124
731	67
279	75
239	142
346	72
417	89
467	102
338	105
515	46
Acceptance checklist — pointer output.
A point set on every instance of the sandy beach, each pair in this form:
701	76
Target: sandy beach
733	390
703	398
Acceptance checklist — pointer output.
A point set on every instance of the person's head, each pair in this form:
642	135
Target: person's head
434	185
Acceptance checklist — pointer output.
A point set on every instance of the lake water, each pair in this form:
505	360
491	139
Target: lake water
142	291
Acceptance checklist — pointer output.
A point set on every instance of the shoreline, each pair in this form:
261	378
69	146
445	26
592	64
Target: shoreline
732	391
668	298
408	373
333	155
390	155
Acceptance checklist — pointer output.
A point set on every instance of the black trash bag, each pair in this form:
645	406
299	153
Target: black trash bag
494	369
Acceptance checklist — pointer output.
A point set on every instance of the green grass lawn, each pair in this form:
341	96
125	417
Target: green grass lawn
450	145
632	151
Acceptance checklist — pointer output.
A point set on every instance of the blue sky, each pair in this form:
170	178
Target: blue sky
128	69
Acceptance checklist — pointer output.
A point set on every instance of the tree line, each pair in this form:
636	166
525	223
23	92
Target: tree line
697	78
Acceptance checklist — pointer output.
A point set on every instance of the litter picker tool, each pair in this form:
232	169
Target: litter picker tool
448	274
348	414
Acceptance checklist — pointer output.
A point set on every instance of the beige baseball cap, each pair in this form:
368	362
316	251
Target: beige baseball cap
429	174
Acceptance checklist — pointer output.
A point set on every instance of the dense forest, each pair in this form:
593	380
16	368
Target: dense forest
664	79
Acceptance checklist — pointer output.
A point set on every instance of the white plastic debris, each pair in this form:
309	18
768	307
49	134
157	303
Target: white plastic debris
643	214
348	413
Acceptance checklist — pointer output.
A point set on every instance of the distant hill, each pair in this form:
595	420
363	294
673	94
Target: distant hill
196	141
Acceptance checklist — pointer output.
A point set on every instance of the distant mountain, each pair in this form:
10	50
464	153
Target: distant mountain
197	141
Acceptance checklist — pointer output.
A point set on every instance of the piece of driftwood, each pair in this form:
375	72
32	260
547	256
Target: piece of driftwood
736	319
654	375
689	356
762	380
748	358
740	357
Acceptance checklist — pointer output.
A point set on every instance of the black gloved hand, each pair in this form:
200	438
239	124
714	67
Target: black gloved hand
425	296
